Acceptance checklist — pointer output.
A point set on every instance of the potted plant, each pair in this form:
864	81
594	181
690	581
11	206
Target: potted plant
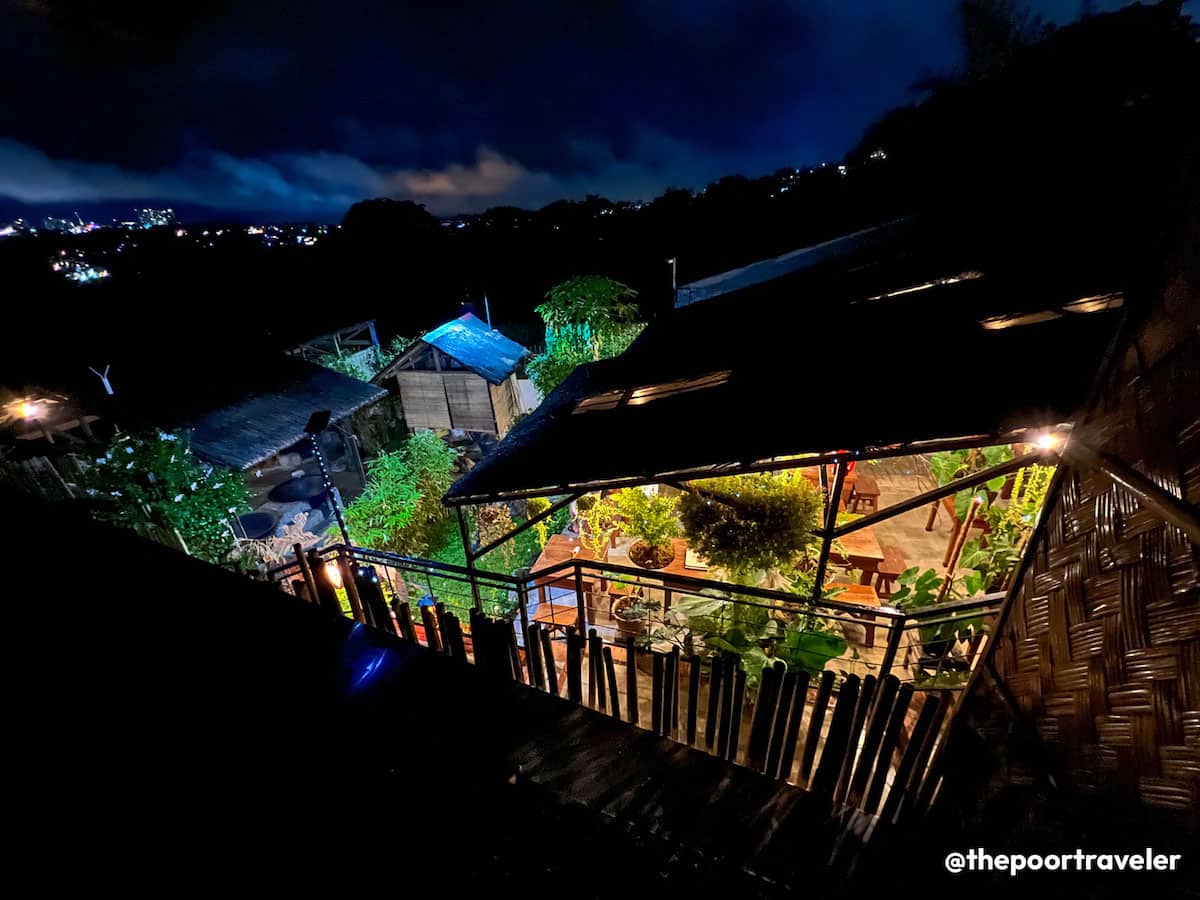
632	614
650	519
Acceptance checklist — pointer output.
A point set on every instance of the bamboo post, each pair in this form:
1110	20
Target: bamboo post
693	698
404	617
612	682
581	618
306	570
351	587
735	718
631	690
548	658
431	630
533	656
656	684
716	675
814	724
596	650
522	601
799	701
775	746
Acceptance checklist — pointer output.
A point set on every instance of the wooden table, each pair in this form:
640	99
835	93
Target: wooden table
562	548
862	552
861	595
678	566
555	616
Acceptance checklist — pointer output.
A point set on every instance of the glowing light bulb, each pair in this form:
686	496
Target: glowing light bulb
333	573
28	410
1047	441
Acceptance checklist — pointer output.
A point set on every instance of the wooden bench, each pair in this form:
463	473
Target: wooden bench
860	595
889	570
865	491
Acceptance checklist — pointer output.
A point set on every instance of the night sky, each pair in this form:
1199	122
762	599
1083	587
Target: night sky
294	110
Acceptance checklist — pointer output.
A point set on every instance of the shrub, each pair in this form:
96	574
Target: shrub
154	478
400	509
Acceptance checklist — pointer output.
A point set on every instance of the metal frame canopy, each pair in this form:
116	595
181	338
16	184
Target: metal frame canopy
881	356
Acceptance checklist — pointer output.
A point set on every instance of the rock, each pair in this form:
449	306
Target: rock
288	513
289	460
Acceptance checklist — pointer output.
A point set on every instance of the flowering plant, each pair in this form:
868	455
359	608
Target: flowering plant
154	478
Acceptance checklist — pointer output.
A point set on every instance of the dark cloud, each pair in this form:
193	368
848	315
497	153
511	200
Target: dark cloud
303	108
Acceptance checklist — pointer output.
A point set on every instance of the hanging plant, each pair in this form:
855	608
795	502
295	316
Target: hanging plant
534	507
749	523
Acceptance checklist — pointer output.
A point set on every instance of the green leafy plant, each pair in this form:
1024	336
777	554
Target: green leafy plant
494	521
923	591
594	303
948	465
989	560
588	318
400	509
153	478
650	518
745	523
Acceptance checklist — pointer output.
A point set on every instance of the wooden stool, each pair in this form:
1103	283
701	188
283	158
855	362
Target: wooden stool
889	570
866	492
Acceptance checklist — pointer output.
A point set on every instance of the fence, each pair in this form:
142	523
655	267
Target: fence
860	730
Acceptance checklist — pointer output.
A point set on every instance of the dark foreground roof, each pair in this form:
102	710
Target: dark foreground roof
789	263
481	349
272	412
874	354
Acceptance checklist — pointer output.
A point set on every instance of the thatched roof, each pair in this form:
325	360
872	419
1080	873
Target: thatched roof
271	413
868	353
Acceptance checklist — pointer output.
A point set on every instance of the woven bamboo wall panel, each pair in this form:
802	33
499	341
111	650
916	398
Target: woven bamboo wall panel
1101	649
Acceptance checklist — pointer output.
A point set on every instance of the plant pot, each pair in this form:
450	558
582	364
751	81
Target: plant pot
629	627
650	557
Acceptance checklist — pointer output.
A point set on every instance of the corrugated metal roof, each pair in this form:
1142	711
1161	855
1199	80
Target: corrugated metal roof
481	349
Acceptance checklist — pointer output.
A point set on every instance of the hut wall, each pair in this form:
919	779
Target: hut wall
1094	679
470	401
505	403
423	397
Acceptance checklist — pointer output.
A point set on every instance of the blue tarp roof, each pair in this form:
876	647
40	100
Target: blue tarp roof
481	349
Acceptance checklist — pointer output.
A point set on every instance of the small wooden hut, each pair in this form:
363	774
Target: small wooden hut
460	375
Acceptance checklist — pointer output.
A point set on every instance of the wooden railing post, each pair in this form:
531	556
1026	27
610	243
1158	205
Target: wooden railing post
631	690
581	619
351	586
522	604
